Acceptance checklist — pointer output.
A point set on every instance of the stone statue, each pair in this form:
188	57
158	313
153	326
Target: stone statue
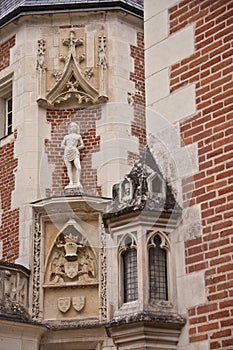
72	143
126	193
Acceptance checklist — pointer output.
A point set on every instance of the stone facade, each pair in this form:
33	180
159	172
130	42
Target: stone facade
68	278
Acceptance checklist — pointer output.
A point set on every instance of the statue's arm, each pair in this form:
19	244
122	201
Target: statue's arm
63	144
80	143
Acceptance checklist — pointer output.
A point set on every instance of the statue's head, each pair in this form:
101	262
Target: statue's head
73	128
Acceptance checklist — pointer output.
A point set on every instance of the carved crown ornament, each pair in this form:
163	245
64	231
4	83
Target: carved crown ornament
77	85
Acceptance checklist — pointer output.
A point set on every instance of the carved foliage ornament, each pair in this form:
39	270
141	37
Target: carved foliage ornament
73	87
103	275
41	55
36	268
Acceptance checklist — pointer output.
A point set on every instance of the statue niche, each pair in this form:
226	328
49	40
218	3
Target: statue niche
71	261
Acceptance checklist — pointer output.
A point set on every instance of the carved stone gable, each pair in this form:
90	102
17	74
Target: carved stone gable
143	188
74	84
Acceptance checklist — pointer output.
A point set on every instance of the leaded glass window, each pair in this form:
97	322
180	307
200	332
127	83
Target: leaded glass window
6	107
157	270
130	278
9	116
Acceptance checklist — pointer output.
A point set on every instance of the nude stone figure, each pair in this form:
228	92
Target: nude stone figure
72	143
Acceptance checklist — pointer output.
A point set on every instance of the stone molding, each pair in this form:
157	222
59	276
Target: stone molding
146	330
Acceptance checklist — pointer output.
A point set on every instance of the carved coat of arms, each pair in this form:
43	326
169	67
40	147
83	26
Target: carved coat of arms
78	302
71	260
64	304
71	268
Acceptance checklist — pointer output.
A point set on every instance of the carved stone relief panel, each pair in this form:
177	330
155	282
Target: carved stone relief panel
14	291
71	282
72	79
71	303
69	266
71	260
64	303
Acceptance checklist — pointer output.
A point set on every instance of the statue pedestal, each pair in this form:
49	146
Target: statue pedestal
73	191
68	235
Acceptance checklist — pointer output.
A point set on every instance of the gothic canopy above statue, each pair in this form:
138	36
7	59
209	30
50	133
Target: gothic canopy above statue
75	84
143	188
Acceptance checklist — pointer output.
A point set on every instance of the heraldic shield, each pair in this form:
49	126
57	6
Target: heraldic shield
71	268
78	302
64	304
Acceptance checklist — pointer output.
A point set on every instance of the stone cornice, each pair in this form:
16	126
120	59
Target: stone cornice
33	7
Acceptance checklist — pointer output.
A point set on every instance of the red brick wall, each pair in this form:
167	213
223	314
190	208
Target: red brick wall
5	52
59	127
138	127
211	69
9	228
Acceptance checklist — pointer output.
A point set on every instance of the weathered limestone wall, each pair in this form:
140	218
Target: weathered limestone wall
15	335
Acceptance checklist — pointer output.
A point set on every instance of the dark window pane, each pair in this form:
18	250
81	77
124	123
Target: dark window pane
9	116
130	275
158	271
9	104
9	123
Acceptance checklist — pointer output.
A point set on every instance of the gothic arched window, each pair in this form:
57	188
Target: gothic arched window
129	269
158	286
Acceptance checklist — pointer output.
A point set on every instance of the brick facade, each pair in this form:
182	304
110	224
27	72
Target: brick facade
9	228
59	126
211	129
87	119
5	52
138	127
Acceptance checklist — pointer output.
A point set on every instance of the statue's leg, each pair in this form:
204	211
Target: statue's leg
69	172
77	171
74	174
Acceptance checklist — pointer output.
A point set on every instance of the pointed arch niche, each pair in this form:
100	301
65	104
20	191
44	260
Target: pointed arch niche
71	260
76	85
